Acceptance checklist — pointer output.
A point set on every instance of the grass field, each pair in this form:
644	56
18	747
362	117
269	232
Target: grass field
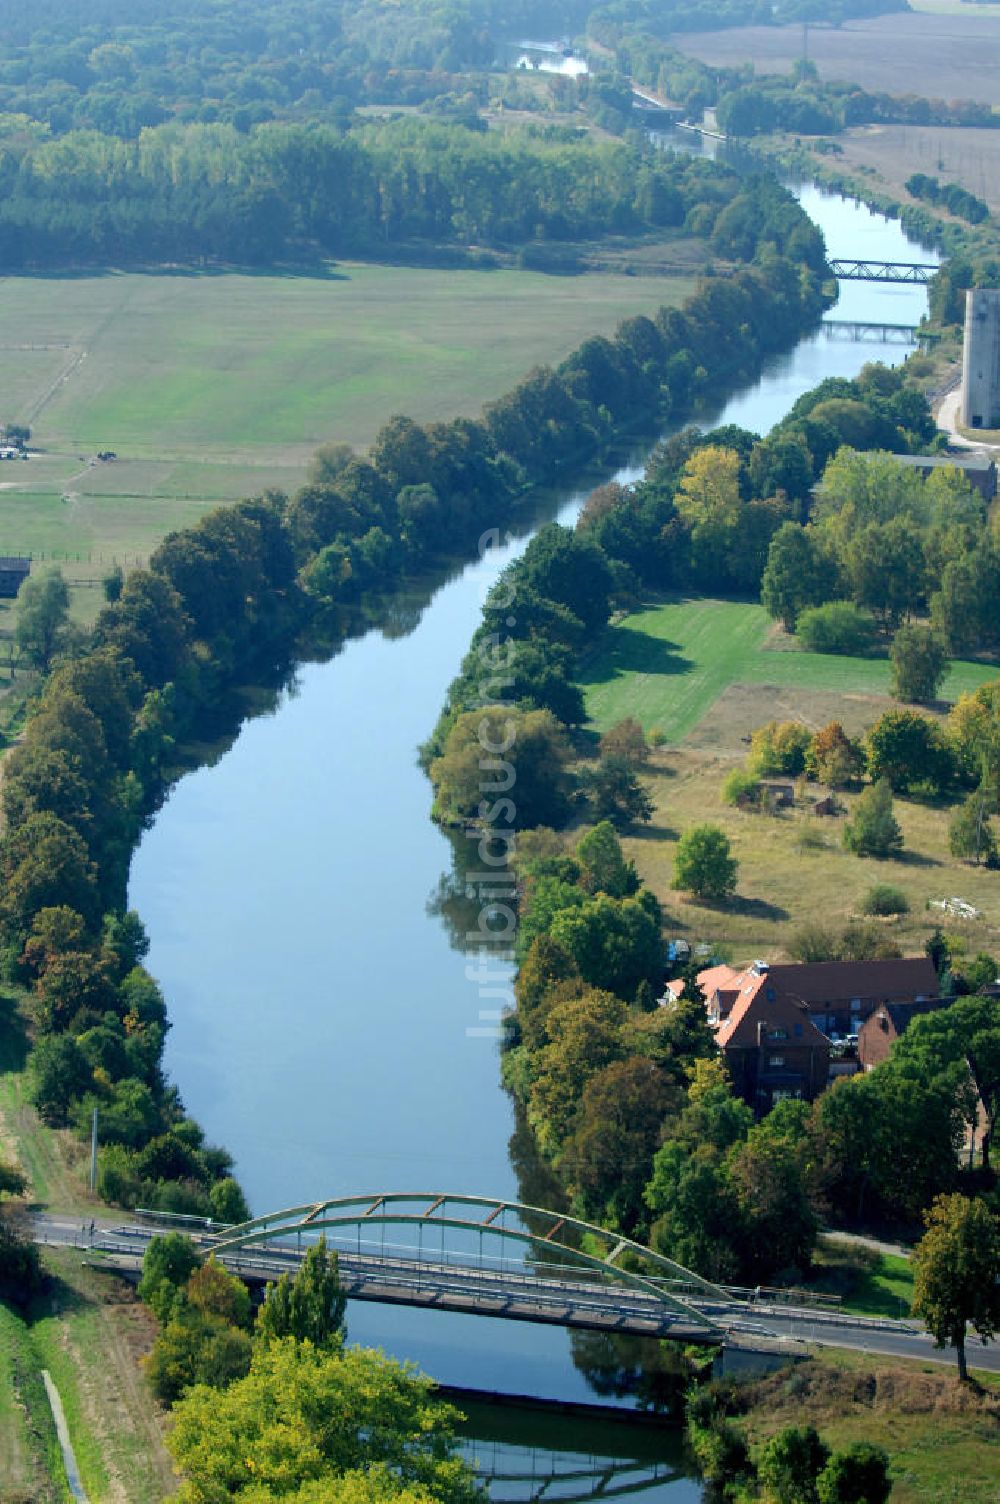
89	1332
668	665
212	387
951	53
943	1436
869	1282
701	672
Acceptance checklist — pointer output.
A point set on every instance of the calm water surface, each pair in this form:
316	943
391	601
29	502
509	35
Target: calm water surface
324	1027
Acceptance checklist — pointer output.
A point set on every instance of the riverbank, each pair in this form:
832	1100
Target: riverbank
943	1435
193	635
362	867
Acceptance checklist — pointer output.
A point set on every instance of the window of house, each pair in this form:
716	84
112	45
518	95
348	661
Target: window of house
777	1033
775	1061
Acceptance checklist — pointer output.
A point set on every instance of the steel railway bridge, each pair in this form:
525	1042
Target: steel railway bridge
859	332
909	273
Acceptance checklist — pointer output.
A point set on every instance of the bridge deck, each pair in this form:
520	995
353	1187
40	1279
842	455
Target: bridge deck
515	1294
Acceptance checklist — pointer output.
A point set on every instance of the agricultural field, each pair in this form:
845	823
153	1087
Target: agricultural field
951	54
702	674
210	387
966	155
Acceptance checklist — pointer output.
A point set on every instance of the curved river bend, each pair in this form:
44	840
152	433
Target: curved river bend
324	1027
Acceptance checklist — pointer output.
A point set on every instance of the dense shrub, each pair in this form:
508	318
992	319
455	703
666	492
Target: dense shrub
837	627
741	787
884	899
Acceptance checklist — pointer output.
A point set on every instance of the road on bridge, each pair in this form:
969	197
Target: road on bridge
523	1293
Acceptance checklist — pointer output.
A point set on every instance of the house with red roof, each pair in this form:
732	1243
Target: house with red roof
773	1023
772	1047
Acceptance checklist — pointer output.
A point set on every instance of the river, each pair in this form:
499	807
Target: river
324	1026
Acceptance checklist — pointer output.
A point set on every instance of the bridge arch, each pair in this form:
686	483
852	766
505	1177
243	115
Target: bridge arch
491	1217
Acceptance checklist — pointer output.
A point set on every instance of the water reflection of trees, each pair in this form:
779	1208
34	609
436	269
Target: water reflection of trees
462	898
653	1373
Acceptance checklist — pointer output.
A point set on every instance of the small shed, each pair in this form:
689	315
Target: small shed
778	795
13	572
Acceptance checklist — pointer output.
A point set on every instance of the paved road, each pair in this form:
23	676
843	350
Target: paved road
947	418
532	1295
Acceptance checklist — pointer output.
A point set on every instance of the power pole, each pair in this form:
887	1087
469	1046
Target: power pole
93	1152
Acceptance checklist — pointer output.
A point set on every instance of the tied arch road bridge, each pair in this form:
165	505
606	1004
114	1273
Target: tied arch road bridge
484	1256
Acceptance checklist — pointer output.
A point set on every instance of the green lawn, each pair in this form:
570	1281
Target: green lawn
668	665
886	1289
209	387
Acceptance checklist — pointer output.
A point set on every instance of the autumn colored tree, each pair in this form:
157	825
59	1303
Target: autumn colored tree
626	739
585	1036
213	1291
708	502
833	758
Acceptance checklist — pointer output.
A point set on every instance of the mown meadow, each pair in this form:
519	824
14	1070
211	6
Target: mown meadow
209	387
667	666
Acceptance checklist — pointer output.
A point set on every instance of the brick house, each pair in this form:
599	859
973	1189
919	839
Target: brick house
882	1028
887	1024
773	1022
840	995
772	1047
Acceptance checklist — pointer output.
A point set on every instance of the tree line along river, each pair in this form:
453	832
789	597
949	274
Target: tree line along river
326	1020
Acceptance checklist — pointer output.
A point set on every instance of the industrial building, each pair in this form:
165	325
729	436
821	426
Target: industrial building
981	359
